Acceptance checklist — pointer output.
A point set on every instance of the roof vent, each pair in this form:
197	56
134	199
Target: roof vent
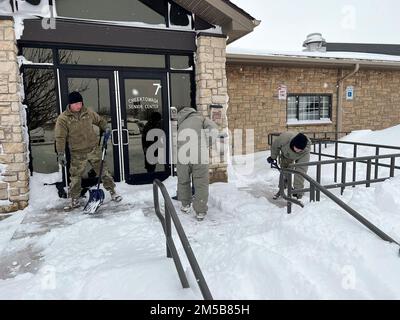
315	42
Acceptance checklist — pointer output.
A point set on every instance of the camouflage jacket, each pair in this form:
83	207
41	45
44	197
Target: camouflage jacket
76	128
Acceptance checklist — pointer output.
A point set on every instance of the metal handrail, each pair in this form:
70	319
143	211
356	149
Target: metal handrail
313	135
341	160
383	146
355	145
171	215
330	195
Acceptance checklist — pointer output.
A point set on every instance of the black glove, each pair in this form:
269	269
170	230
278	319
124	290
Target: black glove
61	159
297	195
270	160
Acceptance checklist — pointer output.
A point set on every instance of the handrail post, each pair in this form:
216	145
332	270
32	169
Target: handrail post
336	156
392	165
168	229
312	193
320	151
318	195
344	165
368	178
376	163
354	163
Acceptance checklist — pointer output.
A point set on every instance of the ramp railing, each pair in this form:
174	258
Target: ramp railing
286	174
166	222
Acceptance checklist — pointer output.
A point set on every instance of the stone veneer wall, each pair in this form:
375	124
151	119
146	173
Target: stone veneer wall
254	104
211	85
14	174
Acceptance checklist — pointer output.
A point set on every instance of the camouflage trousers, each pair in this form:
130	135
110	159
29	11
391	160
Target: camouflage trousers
79	161
199	172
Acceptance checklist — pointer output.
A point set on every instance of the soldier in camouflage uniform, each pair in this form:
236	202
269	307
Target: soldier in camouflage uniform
75	126
290	148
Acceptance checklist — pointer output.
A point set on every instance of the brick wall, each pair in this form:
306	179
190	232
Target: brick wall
14	177
254	104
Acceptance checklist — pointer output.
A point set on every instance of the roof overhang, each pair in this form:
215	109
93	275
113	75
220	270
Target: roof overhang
310	62
235	22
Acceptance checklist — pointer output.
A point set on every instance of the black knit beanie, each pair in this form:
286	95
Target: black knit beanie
74	97
300	141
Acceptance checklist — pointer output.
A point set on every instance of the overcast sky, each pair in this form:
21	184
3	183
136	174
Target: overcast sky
286	23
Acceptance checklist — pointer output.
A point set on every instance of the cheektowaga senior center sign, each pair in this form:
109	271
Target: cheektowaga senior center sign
143	103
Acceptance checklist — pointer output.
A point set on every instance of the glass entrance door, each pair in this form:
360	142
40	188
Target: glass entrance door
135	107
145	123
97	90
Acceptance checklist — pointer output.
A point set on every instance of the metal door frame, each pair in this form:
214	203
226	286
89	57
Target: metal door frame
143	178
64	74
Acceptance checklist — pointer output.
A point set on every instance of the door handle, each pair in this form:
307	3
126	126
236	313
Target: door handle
127	137
112	137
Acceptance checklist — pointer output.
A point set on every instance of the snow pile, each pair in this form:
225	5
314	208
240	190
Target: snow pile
389	136
308	54
247	248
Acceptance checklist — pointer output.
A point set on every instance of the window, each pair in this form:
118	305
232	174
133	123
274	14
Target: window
309	108
181	90
41	99
181	63
102	58
38	55
145	11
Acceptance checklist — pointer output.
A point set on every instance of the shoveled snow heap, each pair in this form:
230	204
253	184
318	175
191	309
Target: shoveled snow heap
247	248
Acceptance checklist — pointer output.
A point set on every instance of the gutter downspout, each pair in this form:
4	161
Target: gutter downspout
339	87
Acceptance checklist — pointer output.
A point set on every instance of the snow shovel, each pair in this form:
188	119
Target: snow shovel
96	196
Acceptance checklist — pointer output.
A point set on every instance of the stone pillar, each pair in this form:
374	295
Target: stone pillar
211	85
14	174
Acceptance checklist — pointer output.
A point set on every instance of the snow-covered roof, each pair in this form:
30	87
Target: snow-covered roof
235	21
234	54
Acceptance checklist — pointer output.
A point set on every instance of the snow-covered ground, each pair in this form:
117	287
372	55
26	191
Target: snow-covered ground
247	248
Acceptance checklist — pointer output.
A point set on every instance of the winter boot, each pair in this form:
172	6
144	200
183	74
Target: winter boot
200	216
186	209
115	197
277	195
75	203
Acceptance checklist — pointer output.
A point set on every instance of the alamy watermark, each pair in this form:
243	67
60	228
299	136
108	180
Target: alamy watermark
349	277
349	19
49	22
22	10
48	278
202	147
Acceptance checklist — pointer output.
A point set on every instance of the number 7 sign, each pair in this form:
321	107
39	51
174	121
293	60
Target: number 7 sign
158	87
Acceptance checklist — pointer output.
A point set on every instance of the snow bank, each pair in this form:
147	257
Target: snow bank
389	136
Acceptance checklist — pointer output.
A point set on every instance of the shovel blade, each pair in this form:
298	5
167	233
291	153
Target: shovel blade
96	198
